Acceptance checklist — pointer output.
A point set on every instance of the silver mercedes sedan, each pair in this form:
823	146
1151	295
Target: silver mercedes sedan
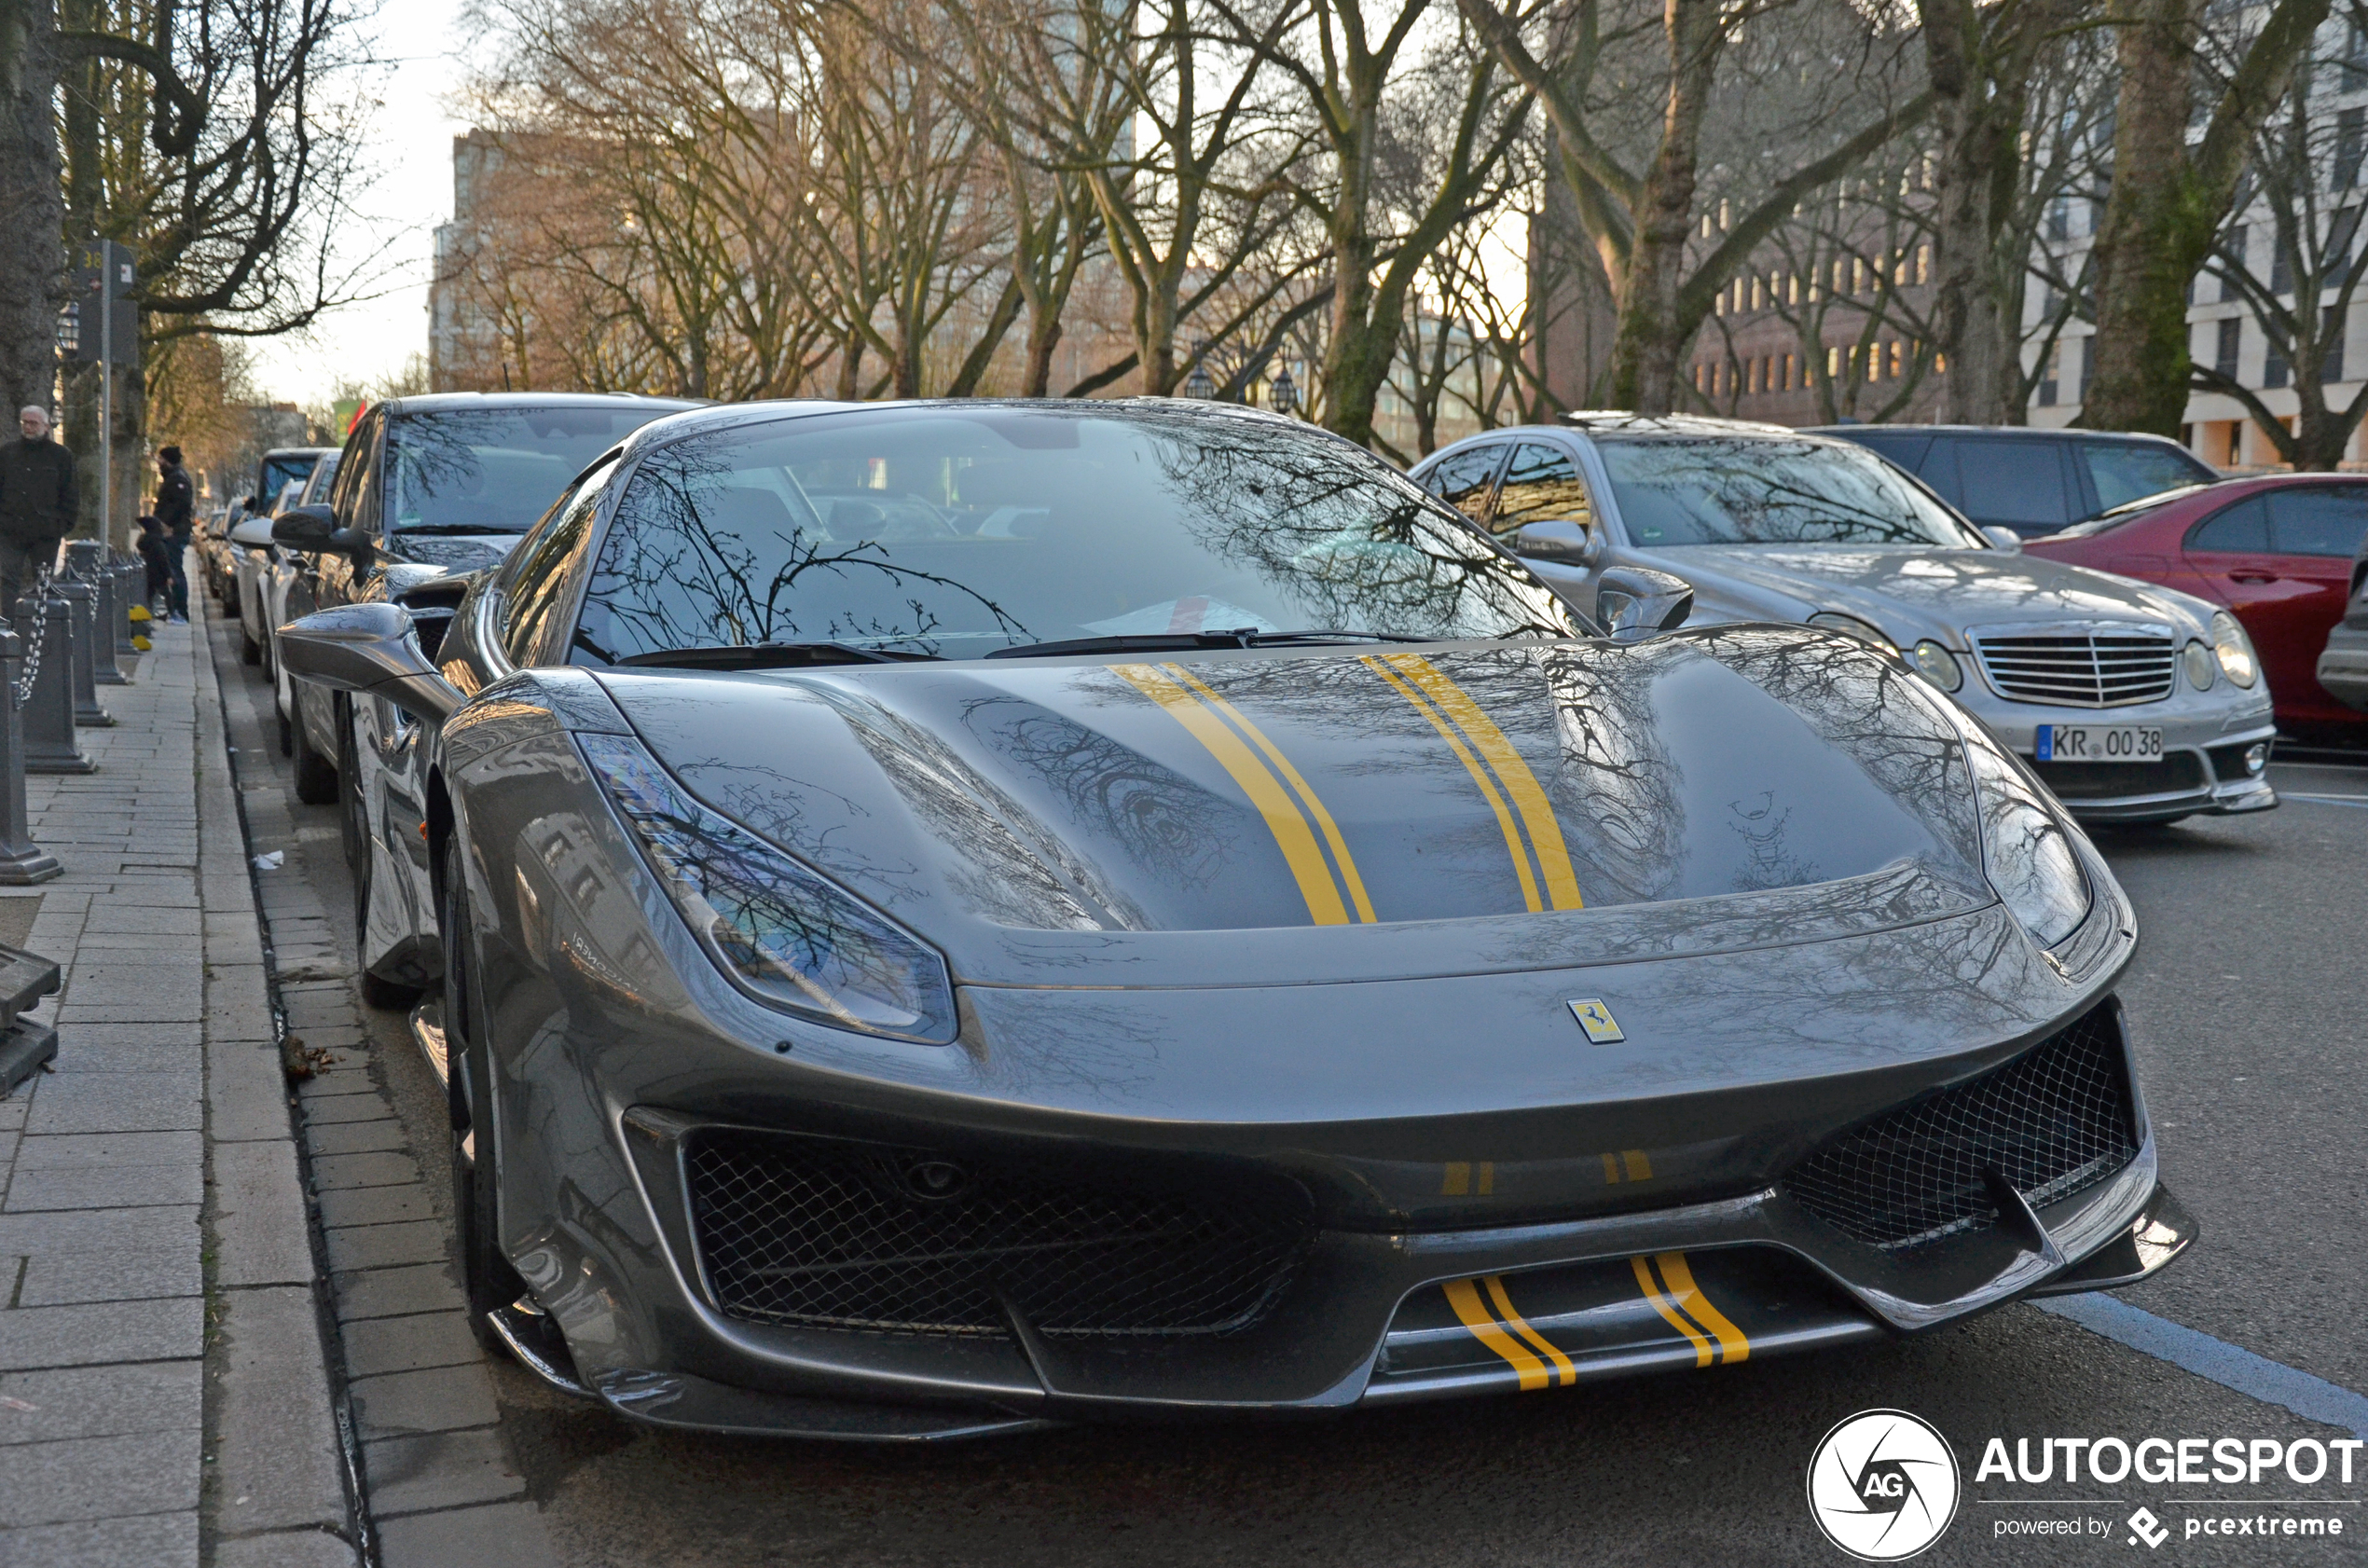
2133	702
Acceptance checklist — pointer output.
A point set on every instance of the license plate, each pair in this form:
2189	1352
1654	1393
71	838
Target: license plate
2098	743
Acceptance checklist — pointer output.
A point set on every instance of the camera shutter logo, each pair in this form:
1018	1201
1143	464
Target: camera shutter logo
1883	1485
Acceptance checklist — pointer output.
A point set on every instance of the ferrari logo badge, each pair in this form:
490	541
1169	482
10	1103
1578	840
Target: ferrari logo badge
1596	1019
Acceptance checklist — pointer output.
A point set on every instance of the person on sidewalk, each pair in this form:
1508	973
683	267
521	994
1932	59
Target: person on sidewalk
39	493
176	509
152	545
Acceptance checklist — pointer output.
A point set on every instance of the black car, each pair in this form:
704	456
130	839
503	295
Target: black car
2032	481
2342	665
434	487
950	917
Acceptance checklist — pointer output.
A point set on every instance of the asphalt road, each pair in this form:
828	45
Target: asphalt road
2253	1021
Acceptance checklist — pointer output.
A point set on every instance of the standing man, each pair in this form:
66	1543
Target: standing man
176	509
39	493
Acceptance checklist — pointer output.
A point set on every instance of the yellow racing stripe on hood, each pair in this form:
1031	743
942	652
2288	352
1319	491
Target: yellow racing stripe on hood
1306	792
1479	777
1283	819
1537	813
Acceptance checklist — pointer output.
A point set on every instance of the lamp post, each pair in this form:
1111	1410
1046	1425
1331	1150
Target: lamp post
1200	383
1283	394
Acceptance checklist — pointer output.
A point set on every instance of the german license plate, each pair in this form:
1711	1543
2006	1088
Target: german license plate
2100	743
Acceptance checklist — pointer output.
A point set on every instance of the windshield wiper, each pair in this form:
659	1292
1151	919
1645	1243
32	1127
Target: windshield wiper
769	655
1188	642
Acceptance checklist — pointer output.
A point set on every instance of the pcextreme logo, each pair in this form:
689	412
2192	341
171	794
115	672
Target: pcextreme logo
1883	1485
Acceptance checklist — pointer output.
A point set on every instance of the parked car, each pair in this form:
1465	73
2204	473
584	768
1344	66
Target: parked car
439	486
955	917
2342	665
286	567
2277	551
2032	481
2136	703
252	558
212	543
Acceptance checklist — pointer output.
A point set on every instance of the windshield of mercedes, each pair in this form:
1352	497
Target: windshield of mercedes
496	469
1712	491
931	532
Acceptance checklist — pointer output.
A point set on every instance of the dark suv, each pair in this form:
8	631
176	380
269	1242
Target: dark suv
2032	481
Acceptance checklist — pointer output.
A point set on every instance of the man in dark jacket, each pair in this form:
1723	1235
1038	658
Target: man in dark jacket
38	494
176	509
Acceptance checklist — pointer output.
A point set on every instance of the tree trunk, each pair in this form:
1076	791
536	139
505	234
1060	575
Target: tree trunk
1652	331
2168	199
32	244
1977	113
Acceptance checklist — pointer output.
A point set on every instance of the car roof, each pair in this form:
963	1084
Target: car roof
1997	432
297	452
438	403
710	417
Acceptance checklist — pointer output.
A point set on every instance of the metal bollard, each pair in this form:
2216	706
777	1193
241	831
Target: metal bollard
23	862
47	627
103	668
88	714
130	582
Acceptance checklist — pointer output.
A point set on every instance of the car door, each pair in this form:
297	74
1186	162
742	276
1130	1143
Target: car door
1542	483
2314	532
331	579
2233	561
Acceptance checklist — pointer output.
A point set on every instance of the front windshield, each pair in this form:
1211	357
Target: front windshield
1688	490
280	472
497	470
953	533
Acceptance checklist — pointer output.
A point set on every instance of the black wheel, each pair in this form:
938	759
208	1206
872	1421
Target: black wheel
288	736
486	1274
250	650
316	776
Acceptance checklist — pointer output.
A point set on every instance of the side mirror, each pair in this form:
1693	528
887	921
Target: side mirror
368	648
305	527
253	532
1568	543
2005	539
1635	603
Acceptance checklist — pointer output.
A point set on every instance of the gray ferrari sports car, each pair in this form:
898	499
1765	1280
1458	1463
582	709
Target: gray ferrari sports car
952	916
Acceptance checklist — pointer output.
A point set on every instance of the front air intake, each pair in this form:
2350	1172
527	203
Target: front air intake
2054	1122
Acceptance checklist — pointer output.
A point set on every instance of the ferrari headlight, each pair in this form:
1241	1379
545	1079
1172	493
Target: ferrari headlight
789	938
1850	625
2202	667
2235	650
2027	851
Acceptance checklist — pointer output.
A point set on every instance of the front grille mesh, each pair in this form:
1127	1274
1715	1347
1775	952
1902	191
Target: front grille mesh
2099	671
2053	1121
842	1235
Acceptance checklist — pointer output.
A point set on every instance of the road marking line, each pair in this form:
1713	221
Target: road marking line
2230	1366
2357	802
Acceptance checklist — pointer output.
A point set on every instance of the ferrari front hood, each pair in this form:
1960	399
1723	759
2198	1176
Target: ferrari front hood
1352	812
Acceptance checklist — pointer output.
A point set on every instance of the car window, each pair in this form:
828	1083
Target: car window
282	471
2128	471
1462	479
1905	450
2020	484
2319	522
496	469
325	473
1765	490
1541	485
1939	470
952	533
2242	528
538	585
350	476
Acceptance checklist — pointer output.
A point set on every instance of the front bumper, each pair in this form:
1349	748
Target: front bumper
2202	770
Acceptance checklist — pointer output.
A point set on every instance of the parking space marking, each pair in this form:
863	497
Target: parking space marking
2357	801
2273	1383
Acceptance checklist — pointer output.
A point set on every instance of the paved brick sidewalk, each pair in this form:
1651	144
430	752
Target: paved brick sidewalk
163	1392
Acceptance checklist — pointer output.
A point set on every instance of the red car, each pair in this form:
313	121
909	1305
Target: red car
2275	550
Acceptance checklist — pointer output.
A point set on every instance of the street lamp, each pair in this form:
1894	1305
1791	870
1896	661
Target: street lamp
1283	394
1199	383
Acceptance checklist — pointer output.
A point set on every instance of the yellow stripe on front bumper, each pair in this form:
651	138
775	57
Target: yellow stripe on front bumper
1520	1324
1283	819
1733	1344
1537	813
1464	1296
1663	1305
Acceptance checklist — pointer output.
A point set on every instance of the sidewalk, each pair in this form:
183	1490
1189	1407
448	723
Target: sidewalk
165	1399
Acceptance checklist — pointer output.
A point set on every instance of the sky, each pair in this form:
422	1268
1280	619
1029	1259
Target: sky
409	147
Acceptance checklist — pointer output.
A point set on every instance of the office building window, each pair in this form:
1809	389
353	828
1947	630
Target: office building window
2331	335
2234	250
2224	358
2050	373
2274	369
2351	139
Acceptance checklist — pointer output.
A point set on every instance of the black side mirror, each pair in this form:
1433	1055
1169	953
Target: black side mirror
305	527
368	648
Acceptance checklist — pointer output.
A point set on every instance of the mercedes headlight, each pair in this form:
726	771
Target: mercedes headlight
1850	625
786	936
2235	650
1936	665
2201	665
2027	851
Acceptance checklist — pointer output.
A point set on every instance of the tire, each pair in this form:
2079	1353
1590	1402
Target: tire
486	1274
250	650
288	736
316	776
